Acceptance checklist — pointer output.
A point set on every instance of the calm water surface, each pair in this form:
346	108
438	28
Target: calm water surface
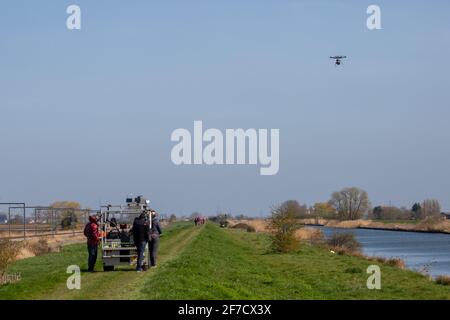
418	250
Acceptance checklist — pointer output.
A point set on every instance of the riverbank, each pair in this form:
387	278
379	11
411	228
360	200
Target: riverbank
436	226
428	226
423	251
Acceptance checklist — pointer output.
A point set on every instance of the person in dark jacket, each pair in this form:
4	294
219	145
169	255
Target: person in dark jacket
141	232
153	243
93	238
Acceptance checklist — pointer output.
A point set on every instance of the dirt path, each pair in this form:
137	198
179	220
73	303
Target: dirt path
125	284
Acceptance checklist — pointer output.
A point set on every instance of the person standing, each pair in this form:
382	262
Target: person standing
92	234
141	232
153	244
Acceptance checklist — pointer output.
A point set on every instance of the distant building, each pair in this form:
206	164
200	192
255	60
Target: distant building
446	215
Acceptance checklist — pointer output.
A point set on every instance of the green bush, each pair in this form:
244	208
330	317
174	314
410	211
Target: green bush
283	224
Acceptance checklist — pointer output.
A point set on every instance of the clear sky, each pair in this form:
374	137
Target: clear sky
87	115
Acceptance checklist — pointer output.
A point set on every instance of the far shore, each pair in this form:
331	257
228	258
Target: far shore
437	226
441	226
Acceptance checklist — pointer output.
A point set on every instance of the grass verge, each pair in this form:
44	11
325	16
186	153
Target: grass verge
234	264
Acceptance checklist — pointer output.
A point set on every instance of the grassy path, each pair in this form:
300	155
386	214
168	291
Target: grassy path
45	277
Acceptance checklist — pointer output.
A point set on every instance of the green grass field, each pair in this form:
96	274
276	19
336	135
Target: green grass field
208	262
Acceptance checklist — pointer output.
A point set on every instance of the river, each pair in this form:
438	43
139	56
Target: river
419	250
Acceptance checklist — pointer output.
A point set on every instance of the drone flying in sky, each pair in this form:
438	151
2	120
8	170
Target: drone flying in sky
338	59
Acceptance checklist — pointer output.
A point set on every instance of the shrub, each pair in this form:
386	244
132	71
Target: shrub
396	262
316	237
244	226
240	226
66	223
9	250
378	259
344	242
310	235
443	280
283	224
40	247
431	223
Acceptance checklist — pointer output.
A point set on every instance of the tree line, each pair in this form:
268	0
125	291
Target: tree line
353	203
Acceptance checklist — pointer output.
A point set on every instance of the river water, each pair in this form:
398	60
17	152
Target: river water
419	250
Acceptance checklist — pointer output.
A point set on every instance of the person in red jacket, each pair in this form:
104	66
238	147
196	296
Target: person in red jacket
92	234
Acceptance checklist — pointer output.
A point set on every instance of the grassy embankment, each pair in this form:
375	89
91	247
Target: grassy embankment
212	263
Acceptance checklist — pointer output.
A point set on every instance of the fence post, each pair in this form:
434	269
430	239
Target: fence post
72	220
24	224
9	221
53	222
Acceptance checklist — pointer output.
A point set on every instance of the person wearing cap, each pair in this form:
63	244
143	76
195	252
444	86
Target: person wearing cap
93	236
153	243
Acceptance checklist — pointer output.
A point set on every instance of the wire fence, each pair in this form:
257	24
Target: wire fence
18	221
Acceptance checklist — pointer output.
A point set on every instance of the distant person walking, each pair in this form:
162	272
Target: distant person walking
141	231
153	244
93	238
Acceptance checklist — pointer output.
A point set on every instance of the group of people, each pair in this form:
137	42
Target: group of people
199	220
143	233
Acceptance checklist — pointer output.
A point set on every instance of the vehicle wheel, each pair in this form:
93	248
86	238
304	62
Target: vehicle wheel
108	268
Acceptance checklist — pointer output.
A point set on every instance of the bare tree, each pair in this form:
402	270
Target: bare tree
430	208
350	203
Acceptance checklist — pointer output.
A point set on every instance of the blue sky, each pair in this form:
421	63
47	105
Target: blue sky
87	115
